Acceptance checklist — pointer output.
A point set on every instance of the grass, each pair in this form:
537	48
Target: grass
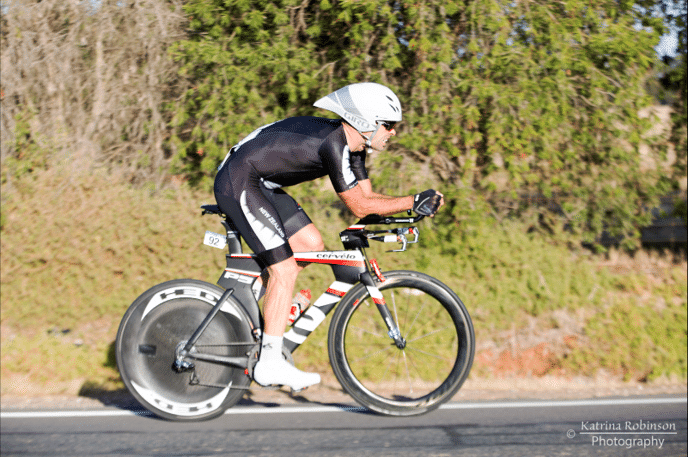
77	251
646	330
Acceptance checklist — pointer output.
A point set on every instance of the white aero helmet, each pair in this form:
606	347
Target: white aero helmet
363	105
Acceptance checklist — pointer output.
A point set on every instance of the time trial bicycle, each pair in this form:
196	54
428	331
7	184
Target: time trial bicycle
400	343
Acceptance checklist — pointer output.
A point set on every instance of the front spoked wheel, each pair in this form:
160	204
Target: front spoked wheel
418	377
154	330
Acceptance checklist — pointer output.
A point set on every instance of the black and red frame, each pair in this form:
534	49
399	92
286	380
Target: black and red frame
349	266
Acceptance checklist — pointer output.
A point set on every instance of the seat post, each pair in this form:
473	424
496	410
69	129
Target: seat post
233	238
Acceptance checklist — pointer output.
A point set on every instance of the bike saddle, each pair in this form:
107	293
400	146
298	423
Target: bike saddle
211	209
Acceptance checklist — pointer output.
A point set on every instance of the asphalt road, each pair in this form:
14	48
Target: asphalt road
632	426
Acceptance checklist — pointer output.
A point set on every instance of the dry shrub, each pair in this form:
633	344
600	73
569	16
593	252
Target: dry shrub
75	252
86	84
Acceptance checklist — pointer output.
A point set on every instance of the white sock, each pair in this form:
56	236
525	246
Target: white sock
272	369
271	348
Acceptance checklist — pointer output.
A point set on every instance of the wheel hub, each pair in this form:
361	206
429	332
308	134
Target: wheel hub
180	365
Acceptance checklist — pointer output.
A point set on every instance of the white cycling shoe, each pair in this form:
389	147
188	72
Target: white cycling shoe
282	373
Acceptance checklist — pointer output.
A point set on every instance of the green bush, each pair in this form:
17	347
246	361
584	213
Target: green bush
527	99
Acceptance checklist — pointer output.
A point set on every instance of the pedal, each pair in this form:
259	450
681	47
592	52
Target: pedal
278	387
296	391
269	387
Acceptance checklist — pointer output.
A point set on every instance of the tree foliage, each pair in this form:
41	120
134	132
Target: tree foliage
674	77
507	98
504	101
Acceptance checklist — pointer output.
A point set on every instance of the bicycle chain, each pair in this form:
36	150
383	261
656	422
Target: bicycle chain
223	345
220	386
252	355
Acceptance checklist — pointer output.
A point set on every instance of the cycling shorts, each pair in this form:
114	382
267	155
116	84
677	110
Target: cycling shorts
265	217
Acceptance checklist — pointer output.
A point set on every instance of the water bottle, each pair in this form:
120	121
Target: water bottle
302	300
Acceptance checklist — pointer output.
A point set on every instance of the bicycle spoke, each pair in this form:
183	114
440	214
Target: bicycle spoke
402	370
434	332
408	374
370	356
418	372
435	356
415	319
377	335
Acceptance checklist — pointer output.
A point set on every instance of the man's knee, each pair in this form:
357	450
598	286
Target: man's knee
316	244
286	270
307	239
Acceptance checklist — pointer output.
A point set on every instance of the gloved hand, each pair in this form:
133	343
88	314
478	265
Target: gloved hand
427	202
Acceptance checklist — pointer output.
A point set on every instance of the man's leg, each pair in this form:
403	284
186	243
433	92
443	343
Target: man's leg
307	239
271	368
260	215
280	289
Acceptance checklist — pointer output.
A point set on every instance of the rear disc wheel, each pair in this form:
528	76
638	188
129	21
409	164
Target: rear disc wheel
149	339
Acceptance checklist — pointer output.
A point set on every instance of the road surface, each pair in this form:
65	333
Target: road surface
630	426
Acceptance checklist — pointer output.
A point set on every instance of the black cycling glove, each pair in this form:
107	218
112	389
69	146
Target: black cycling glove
427	202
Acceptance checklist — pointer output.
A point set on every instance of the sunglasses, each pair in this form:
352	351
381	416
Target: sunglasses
389	125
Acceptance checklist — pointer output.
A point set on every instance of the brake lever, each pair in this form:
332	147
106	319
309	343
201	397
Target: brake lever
398	234
416	234
404	243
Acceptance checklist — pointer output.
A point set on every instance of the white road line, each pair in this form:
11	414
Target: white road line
334	409
567	403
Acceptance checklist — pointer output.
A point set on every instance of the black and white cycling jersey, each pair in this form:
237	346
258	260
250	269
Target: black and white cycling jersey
284	153
299	149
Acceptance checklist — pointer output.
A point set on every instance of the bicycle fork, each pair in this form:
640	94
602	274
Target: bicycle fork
392	327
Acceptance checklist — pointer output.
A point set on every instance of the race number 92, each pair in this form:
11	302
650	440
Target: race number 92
214	240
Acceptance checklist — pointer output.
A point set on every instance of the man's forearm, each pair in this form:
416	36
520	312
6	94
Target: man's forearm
362	201
383	205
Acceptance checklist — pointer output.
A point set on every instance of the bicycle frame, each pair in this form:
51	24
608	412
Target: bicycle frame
238	278
349	267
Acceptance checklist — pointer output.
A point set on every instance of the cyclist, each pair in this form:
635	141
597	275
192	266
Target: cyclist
248	187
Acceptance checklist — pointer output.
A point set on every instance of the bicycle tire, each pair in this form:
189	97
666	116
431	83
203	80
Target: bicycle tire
154	326
428	371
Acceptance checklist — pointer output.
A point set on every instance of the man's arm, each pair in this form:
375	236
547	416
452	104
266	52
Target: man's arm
362	201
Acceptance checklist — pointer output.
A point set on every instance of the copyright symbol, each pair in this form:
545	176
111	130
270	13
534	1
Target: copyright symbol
570	434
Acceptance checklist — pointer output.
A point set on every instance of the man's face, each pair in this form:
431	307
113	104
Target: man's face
382	136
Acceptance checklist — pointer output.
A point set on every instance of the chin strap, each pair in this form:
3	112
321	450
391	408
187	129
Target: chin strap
368	140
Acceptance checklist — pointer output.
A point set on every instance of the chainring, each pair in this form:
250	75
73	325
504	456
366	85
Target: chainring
253	358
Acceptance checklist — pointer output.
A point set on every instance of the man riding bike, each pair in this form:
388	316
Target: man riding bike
248	188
